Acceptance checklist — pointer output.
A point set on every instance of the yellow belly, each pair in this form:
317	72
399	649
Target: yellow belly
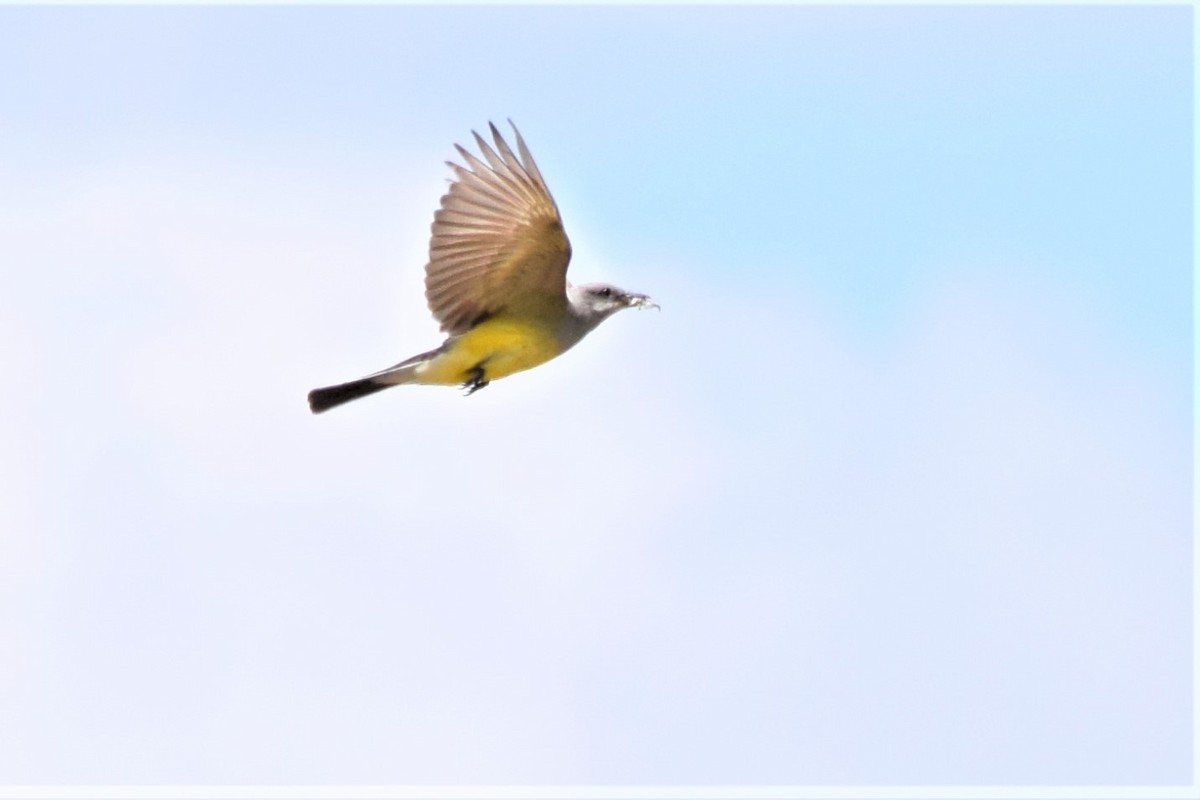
500	346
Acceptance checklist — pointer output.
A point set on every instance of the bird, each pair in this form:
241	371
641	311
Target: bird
496	280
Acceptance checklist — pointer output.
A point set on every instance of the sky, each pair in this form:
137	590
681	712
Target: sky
896	489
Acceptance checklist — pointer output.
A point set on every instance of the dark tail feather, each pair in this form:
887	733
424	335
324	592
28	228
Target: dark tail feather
326	398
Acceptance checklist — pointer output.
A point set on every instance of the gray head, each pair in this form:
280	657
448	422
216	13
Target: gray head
592	303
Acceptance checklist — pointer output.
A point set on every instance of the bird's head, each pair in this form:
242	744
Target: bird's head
595	302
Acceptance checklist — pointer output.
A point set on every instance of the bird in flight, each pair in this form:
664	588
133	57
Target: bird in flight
496	280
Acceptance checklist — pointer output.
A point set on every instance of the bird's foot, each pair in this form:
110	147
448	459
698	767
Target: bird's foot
476	381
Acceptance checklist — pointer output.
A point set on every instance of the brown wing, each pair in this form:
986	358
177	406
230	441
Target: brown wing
498	241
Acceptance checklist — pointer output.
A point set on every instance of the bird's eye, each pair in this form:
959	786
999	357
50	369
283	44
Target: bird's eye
605	292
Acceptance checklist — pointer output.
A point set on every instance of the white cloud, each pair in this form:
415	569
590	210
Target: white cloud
728	542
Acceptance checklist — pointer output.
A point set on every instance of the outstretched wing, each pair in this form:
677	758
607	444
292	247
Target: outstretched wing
498	241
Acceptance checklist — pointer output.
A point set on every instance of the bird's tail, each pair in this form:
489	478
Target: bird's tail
329	397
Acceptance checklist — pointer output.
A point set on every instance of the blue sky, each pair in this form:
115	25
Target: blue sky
894	490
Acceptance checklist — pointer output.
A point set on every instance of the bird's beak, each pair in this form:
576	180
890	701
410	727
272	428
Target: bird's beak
639	301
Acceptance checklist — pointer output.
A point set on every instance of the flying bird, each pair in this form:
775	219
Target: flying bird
496	280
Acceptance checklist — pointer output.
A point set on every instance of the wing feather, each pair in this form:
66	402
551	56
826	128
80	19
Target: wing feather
498	241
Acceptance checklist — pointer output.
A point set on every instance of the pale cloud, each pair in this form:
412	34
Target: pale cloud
735	541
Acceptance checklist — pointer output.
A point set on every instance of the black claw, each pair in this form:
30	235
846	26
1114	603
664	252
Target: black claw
476	381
